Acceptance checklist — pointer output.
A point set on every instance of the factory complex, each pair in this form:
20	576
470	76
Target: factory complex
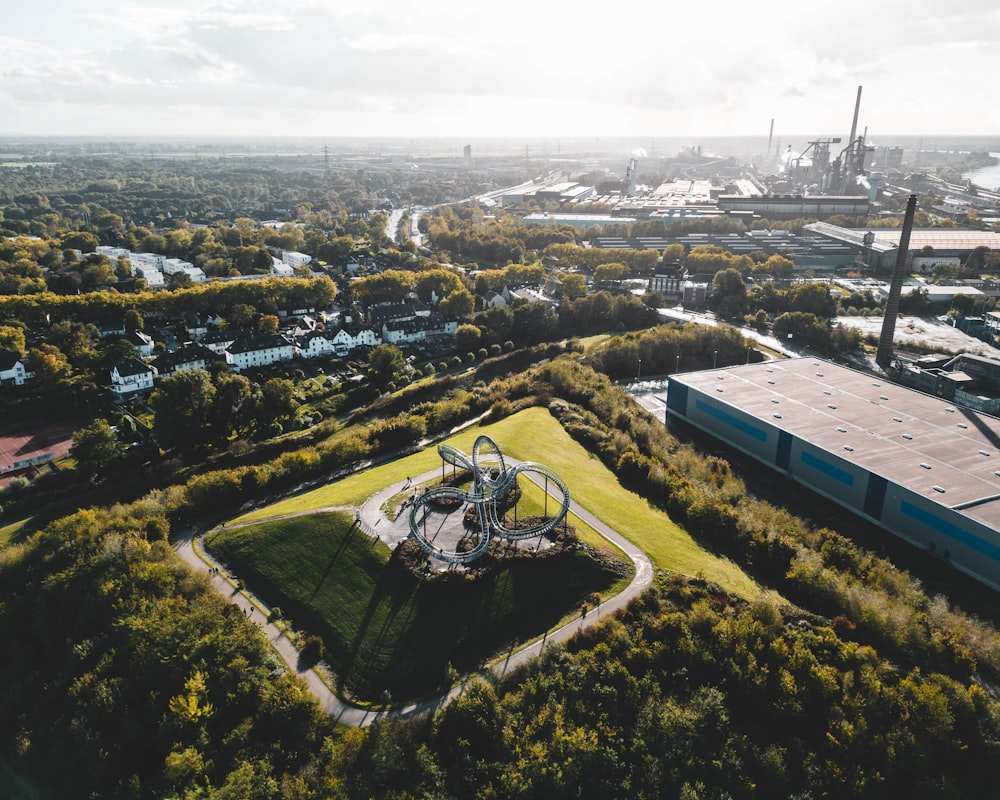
921	467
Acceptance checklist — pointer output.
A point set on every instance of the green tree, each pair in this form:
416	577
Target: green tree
180	280
534	322
241	315
53	372
385	363
916	303
729	293
812	298
12	339
134	320
277	401
944	273
268	323
572	284
97	450
235	406
458	305
181	406
467	337
802	328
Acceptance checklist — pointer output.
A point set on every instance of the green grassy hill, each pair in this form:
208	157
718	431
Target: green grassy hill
535	435
385	629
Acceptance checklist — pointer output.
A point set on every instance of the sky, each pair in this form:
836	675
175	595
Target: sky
510	68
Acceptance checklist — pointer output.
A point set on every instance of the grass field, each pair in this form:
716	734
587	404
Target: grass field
534	435
382	627
16	531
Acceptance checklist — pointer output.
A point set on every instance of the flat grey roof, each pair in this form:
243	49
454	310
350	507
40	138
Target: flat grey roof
918	441
887	238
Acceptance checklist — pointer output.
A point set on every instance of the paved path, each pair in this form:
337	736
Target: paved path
189	546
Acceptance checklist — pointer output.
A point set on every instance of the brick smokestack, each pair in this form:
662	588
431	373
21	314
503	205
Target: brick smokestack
884	353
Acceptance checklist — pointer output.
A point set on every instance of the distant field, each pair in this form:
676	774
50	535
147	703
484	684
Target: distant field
382	627
534	435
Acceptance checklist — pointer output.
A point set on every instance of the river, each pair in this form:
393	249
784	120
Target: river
986	177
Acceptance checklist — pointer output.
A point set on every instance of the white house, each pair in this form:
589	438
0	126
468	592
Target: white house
190	356
172	266
314	344
129	376
418	329
367	337
142	342
492	300
258	350
218	341
154	260
153	277
112	252
12	369
343	341
295	259
281	269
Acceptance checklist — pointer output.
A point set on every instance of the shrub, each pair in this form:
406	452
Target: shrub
312	650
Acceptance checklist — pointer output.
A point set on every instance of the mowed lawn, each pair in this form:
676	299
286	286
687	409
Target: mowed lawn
534	435
16	531
383	628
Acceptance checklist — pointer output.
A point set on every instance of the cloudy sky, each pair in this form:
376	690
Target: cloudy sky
503	68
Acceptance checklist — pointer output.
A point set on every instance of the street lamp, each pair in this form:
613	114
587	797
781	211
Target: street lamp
748	354
638	371
677	367
715	358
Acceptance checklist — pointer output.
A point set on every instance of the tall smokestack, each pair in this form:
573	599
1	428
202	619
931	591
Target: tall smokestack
854	123
884	353
769	137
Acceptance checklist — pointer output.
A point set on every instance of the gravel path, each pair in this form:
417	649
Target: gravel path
189	546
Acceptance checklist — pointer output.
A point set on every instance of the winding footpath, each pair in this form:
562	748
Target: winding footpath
189	545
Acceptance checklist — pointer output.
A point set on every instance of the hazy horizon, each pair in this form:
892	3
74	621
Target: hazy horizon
217	68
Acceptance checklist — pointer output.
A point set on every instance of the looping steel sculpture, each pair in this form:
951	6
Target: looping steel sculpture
492	479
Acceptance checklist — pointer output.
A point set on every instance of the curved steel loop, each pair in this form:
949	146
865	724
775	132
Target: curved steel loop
491	479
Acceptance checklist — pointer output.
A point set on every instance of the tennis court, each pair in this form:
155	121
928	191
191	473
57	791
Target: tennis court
31	448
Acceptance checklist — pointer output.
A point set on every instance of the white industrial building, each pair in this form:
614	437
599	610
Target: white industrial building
919	466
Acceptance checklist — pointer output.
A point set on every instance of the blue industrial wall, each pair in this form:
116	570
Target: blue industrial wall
969	546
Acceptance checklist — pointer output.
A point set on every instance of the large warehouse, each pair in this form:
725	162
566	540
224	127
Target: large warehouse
920	467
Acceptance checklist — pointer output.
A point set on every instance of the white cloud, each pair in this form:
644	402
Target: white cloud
536	68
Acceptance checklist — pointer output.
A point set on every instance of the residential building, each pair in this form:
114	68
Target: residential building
190	356
668	280
418	329
142	342
13	372
258	350
218	341
315	344
295	259
130	376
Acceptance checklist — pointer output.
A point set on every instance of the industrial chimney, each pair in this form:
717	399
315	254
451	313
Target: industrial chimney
884	353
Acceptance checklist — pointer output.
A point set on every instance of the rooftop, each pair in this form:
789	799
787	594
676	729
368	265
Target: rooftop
948	454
